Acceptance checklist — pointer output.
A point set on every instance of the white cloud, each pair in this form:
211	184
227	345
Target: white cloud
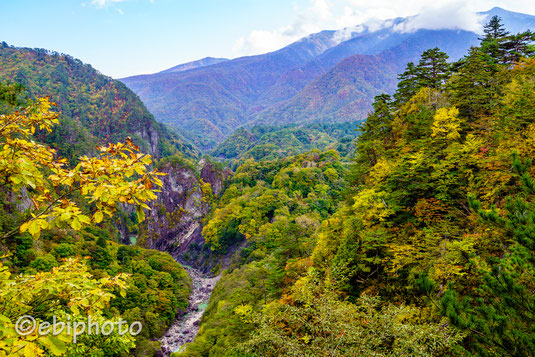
103	3
436	14
314	18
100	4
260	41
352	16
454	15
321	8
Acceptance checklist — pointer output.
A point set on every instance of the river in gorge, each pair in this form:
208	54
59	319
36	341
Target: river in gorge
185	328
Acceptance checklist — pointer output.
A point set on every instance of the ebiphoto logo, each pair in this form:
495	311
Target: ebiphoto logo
26	325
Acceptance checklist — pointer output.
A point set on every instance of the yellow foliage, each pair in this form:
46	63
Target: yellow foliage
371	206
244	311
416	159
528	149
329	237
68	292
402	255
381	170
104	180
425	97
446	124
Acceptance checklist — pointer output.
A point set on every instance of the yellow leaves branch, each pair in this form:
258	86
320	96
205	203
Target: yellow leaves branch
69	284
119	174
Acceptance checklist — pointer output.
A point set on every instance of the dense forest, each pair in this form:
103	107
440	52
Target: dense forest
59	228
272	142
422	246
411	233
94	109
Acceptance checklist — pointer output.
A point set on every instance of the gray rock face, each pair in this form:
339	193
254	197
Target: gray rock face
211	175
174	221
174	218
150	134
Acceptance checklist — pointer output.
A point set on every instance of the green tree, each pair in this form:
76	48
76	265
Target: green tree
519	46
500	47
475	85
376	131
493	40
502	315
407	85
433	69
494	29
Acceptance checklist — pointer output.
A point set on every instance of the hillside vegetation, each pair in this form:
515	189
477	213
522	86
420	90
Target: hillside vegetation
58	235
423	246
95	109
270	142
417	238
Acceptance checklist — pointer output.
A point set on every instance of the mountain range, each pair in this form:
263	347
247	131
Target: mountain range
330	76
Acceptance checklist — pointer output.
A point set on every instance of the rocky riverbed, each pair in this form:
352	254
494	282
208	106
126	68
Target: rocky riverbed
185	328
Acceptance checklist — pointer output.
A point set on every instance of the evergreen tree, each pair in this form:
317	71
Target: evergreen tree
474	86
502	316
433	69
494	30
376	131
499	47
519	46
407	85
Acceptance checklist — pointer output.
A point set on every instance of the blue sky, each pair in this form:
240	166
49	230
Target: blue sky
127	37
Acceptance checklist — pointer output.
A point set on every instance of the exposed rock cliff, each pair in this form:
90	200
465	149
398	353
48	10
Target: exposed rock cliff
174	223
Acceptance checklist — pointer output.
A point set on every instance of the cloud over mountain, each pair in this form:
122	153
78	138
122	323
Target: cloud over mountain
356	15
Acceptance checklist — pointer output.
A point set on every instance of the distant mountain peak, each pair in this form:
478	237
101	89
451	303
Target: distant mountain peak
514	21
498	10
206	61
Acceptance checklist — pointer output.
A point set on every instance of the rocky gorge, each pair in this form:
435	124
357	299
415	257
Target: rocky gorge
186	326
174	224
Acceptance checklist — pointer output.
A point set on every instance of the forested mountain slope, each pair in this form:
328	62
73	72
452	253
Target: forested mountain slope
343	94
71	239
270	142
423	246
95	109
59	240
